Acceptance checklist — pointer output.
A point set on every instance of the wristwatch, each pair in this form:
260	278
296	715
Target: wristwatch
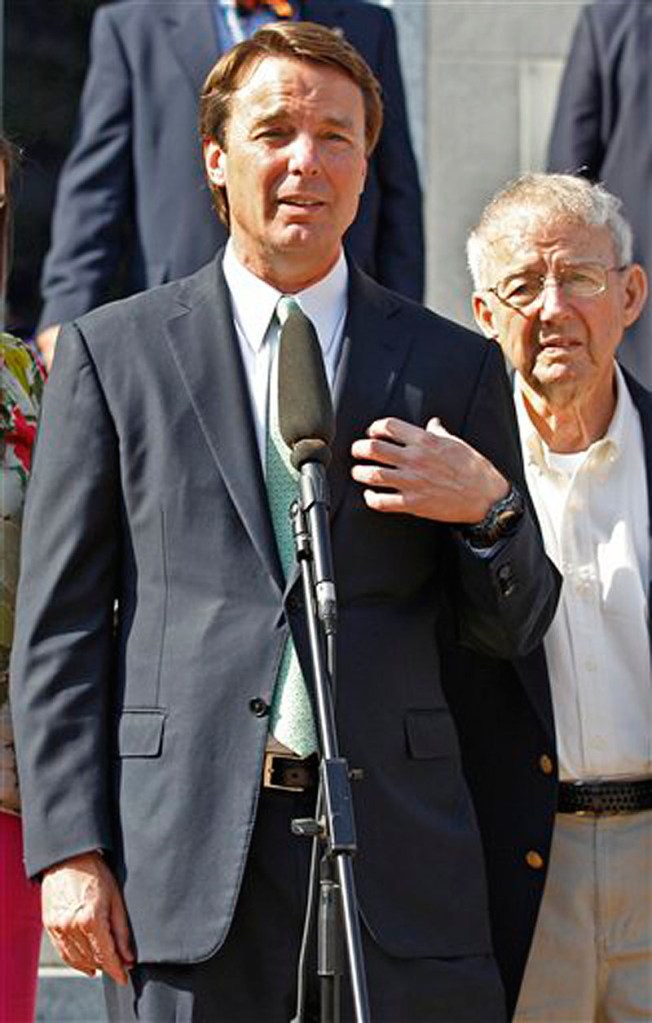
500	521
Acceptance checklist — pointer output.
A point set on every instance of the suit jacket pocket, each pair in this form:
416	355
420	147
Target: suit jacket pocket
430	734
140	732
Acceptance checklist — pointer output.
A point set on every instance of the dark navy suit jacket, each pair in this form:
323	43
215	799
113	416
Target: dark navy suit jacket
138	734
133	186
603	129
504	717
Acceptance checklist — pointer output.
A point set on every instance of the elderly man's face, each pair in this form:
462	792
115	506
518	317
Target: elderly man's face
562	344
293	167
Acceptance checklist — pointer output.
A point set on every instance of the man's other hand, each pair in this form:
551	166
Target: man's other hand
429	473
85	916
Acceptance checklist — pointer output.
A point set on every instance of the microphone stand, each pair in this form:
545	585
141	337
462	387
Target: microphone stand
333	828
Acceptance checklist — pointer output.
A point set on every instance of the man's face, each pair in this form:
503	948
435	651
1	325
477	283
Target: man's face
563	345
293	167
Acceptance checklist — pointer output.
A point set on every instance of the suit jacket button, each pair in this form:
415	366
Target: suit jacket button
546	764
534	859
294	602
506	580
258	707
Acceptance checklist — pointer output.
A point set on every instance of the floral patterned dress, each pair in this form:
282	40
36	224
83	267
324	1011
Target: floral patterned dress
21	383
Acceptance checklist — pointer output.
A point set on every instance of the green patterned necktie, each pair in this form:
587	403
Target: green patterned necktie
291	718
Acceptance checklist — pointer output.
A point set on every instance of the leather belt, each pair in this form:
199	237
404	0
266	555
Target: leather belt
290	773
606	798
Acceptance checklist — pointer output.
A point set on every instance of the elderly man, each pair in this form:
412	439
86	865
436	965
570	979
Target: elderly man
555	284
164	844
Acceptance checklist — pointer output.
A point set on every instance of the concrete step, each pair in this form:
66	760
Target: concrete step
65	996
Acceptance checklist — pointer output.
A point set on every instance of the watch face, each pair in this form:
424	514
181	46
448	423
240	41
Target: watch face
506	517
510	513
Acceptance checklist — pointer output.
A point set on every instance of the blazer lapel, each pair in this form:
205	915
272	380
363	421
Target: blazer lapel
205	349
374	348
193	37
643	401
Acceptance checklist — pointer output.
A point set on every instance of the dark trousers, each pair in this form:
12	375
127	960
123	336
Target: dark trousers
252	978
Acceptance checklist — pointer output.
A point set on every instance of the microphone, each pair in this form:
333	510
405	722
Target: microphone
307	425
305	408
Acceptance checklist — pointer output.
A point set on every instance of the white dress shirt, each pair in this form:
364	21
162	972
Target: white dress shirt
254	303
593	510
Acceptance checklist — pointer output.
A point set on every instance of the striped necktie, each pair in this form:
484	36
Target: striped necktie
291	718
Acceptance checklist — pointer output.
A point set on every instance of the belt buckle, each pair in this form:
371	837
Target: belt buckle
268	774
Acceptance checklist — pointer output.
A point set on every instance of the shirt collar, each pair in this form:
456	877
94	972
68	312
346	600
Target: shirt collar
606	449
254	301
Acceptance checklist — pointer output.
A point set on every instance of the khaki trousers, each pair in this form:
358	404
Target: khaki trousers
591	958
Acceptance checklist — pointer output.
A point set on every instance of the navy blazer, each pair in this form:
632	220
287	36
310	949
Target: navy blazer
603	129
504	716
142	735
134	180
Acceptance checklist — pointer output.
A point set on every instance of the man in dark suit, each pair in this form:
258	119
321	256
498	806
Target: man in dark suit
133	179
555	283
602	130
159	763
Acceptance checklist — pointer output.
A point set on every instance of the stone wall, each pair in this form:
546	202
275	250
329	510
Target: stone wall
482	81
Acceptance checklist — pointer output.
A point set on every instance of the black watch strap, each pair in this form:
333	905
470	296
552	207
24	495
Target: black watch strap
500	521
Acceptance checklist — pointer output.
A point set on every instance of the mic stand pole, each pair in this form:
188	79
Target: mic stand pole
335	827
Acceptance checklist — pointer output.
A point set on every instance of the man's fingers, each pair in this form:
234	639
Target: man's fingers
376	475
106	956
396	430
376	450
435	427
120	930
394	442
386	502
84	912
425	472
74	953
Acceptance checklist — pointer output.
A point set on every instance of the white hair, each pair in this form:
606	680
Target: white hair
551	195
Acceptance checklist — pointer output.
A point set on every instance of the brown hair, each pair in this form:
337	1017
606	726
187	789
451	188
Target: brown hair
296	40
8	157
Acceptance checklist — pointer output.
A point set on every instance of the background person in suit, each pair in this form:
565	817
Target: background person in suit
603	130
157	742
133	179
555	284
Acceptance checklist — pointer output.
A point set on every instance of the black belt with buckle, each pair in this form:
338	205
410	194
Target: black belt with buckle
289	773
606	798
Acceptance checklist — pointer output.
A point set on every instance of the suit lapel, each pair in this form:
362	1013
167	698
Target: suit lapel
374	348
206	352
643	402
193	38
205	349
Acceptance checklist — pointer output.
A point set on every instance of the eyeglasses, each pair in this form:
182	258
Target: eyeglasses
583	280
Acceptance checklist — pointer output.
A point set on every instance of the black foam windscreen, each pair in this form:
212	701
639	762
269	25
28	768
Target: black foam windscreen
305	408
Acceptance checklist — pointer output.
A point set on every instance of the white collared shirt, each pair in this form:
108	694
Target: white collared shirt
593	510
254	303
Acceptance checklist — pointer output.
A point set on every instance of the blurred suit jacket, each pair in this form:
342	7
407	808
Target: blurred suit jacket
133	187
603	129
